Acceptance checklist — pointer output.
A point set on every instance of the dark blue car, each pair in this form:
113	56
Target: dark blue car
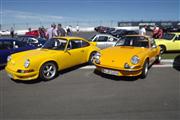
32	40
10	46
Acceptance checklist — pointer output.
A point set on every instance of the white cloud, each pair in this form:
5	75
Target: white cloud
20	15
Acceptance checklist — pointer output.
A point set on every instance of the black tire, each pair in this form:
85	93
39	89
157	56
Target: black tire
158	59
48	71
90	61
163	49
145	70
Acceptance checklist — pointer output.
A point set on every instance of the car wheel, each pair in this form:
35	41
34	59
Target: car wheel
145	70
48	71
163	49
90	61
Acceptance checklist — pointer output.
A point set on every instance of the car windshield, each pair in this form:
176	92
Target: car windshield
167	36
55	44
136	41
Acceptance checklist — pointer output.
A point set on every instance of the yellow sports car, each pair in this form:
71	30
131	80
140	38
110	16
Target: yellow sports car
169	42
131	56
56	54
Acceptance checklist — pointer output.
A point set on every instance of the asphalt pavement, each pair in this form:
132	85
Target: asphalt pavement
81	94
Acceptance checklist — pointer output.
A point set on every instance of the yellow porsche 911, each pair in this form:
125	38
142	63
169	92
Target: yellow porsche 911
131	56
56	54
169	42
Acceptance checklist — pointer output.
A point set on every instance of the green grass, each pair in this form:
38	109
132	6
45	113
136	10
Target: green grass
170	55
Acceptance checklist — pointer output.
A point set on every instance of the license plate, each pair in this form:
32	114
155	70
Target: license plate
111	72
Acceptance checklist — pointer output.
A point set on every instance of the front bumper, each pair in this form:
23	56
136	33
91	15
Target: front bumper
119	71
21	76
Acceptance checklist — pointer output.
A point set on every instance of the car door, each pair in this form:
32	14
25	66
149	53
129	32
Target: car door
102	42
73	54
172	44
6	48
176	43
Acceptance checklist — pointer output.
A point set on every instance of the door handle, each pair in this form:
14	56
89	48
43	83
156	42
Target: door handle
82	50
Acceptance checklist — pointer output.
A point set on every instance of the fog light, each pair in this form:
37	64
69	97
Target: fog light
25	71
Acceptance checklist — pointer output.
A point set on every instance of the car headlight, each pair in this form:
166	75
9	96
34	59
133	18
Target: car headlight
97	57
9	58
135	59
27	63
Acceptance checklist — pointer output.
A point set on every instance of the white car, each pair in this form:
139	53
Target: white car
104	40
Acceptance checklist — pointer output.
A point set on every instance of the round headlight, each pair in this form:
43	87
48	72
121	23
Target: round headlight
9	58
27	63
135	59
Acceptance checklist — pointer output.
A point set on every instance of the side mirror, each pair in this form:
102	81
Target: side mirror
67	50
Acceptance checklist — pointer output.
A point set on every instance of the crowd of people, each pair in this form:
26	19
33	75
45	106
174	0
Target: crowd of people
156	32
53	31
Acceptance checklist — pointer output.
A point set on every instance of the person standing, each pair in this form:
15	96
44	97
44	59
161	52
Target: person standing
60	30
51	32
69	33
77	28
12	32
142	30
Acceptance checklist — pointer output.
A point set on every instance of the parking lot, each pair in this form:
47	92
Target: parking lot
80	93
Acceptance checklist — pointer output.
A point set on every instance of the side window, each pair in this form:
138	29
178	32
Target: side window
112	39
32	40
18	44
84	44
8	45
74	44
177	37
102	39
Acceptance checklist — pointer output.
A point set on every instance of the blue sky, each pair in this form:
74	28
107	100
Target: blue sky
40	12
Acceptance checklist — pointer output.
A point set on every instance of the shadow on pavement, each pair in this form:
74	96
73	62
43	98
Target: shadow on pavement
176	63
115	78
28	81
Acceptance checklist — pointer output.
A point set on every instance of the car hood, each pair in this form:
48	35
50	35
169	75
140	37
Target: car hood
33	55
120	54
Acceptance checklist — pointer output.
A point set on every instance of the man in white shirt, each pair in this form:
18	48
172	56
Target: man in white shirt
51	32
142	30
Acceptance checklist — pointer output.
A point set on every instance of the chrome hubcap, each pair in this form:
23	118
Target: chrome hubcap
49	71
146	68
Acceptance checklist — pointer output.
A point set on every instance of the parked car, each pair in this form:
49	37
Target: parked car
122	32
56	54
169	42
33	33
103	29
32	40
104	40
10	46
131	56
